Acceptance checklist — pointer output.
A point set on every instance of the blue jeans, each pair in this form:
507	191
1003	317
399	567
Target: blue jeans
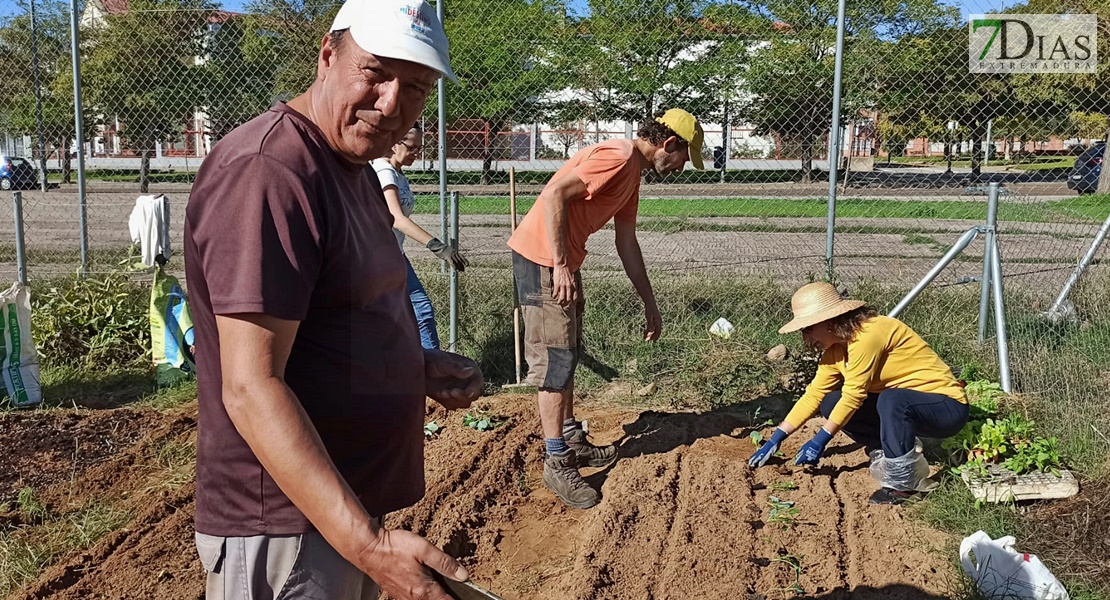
422	306
892	418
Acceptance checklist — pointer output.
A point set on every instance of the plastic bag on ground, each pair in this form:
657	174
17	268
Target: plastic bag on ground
908	473
722	328
1002	573
19	362
171	330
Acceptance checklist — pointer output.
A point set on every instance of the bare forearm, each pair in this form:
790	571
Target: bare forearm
409	227
555	217
633	260
279	432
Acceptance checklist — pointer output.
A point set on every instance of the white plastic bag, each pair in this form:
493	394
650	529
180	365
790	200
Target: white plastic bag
909	473
722	328
1003	573
19	362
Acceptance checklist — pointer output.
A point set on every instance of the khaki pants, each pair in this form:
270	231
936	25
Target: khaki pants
552	332
280	567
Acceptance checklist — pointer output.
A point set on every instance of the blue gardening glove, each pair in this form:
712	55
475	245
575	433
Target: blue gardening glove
811	452
767	450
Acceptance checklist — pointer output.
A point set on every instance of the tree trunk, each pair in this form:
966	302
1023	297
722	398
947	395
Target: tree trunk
144	170
65	158
978	132
807	162
1104	175
1009	142
488	151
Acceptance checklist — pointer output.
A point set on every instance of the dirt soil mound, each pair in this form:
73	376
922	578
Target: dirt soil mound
682	516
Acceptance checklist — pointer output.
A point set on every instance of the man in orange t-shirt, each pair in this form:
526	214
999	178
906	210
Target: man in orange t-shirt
599	183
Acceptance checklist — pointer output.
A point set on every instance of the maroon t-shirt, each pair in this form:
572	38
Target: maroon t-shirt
278	224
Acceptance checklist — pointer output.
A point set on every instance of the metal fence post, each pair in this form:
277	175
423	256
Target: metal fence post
79	134
40	145
1000	320
834	139
20	251
1057	308
454	241
985	284
441	100
953	252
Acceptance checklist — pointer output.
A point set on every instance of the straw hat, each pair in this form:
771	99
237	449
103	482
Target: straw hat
817	302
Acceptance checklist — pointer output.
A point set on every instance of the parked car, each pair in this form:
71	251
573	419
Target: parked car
17	173
1088	166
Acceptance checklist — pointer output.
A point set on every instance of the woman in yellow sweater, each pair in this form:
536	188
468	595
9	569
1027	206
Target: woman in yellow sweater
877	380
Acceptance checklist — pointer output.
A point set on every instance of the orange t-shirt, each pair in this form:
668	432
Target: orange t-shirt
612	176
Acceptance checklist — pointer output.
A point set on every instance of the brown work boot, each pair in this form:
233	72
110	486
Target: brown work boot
590	455
560	475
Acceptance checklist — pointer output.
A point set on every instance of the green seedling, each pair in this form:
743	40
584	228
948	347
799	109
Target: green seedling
794	563
783	513
783	486
431	428
482	421
755	417
989	438
756	438
1041	455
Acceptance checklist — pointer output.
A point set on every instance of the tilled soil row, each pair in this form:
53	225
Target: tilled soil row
682	516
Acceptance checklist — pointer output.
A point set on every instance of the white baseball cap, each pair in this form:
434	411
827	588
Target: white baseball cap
402	29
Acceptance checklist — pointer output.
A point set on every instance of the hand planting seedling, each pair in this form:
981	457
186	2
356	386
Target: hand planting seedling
783	512
482	421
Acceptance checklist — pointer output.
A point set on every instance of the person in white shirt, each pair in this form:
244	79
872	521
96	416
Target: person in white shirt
401	201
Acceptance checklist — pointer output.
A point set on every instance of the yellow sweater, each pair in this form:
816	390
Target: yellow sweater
884	354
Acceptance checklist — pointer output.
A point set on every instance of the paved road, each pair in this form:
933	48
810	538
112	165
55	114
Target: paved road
898	250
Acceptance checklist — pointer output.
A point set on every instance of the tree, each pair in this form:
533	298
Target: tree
791	76
1087	93
240	74
285	35
18	108
142	69
502	55
633	58
568	135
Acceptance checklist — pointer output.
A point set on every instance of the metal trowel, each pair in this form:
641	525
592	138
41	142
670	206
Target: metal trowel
465	590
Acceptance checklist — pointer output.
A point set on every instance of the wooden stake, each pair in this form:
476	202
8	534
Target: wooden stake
516	300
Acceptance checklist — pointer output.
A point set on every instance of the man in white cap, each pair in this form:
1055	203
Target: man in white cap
311	376
598	184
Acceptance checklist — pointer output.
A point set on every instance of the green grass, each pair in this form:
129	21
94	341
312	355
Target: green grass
1062	164
132	176
710	175
952	508
27	550
1079	209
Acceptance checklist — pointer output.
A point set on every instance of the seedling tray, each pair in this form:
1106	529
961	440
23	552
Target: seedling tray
1002	485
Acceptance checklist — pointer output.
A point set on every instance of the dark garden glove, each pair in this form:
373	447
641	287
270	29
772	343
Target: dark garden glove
448	253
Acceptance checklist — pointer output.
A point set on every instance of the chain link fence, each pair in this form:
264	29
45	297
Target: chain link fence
920	138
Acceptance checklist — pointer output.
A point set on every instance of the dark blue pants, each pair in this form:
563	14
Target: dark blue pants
422	306
892	418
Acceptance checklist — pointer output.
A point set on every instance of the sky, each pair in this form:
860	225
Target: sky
966	6
12	7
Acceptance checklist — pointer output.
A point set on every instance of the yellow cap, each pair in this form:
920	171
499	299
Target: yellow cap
687	127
